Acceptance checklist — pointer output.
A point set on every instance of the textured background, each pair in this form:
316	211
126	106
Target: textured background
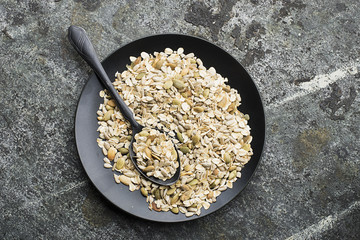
303	56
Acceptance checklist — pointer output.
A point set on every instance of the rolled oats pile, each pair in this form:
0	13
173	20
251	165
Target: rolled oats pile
155	154
174	92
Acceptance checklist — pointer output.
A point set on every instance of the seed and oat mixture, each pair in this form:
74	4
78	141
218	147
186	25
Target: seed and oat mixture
155	154
176	93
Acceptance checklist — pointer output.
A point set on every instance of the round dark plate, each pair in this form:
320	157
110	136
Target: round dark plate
86	123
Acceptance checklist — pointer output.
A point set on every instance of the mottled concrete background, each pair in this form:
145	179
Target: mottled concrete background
304	57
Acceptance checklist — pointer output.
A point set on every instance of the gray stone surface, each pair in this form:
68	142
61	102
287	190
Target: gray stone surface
304	57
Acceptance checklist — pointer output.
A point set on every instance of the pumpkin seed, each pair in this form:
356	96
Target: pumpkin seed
215	183
227	158
198	109
108	114
246	147
193	182
175	198
168	84
178	84
123	151
149	169
232	175
140	76
185	187
170	191
176	102
157	194
179	137
232	168
196	139
111	153
175	210
120	163
111	103
184	149
144	192
159	64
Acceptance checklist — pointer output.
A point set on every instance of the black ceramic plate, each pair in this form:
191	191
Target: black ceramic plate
86	123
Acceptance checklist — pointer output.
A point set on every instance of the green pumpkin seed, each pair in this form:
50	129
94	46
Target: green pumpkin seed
184	149
176	102
198	109
120	163
227	158
168	84
193	182
108	114
170	191
140	76
215	183
196	139
149	169
179	137
232	168
174	199
144	192
123	151
246	147
157	194
232	175
159	64
175	210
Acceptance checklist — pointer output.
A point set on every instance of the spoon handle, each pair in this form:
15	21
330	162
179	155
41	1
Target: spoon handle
80	41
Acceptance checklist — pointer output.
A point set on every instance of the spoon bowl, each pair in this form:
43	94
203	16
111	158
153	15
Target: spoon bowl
80	41
158	181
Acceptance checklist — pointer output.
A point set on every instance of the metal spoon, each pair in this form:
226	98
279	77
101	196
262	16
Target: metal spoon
80	41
